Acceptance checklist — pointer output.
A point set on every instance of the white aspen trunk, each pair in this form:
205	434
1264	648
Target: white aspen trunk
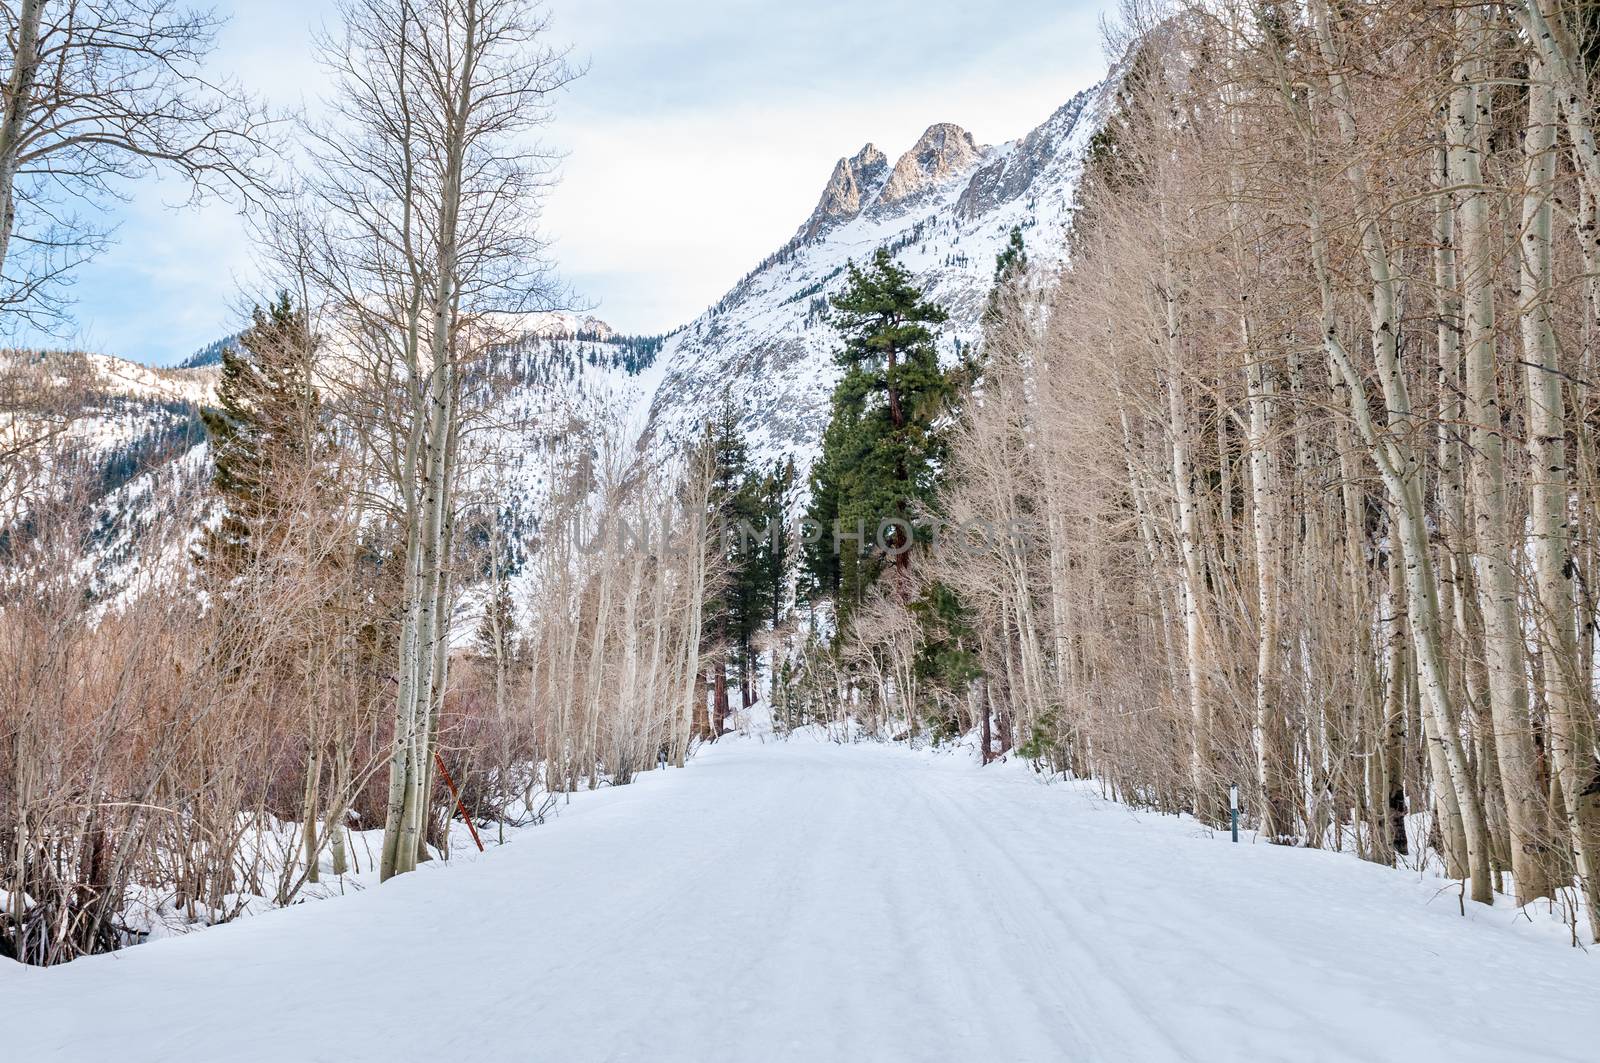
334	824
1558	56
1273	758
1496	580
443	607
594	706
568	681
653	696
405	716
410	839
1155	557
1396	459
1190	579
1030	657
1355	604
696	570
1452	507
436	289
431	640
1571	726
1397	465
628	691
1388	767
1066	675
1008	657
402	753
311	798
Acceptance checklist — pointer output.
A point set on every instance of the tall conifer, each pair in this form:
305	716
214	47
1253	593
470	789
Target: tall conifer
881	449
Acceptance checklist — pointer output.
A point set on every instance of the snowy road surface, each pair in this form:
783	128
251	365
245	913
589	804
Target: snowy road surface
807	901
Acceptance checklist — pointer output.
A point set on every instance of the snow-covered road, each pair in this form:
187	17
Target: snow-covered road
809	901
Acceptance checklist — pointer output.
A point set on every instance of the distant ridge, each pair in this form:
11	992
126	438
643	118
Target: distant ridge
210	354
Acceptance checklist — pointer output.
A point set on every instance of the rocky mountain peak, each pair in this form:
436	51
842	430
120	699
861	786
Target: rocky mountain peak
853	181
767	345
941	152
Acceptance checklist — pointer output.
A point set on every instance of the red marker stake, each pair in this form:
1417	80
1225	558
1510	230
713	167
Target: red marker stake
437	759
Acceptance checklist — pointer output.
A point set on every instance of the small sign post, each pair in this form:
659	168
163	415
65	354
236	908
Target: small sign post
1233	811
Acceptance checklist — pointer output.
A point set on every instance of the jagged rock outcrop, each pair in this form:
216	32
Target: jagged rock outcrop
855	180
1005	175
865	183
945	210
938	155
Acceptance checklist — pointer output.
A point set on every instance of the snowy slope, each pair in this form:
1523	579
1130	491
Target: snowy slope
945	208
121	447
811	901
130	451
105	404
552	396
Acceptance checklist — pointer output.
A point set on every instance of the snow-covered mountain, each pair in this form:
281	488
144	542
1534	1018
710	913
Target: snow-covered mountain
98	418
122	445
945	208
567	388
106	451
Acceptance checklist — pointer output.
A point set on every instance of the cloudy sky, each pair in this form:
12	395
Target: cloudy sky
697	141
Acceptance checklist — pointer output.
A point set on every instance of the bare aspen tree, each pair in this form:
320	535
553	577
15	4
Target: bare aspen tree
429	191
1496	583
96	95
624	565
699	481
1397	459
1273	757
1571	723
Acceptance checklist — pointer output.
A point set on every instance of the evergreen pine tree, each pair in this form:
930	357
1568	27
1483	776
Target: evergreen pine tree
881	449
749	560
497	630
265	426
1009	266
777	557
946	656
233	434
737	609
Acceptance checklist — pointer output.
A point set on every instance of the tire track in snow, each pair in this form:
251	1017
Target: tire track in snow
1119	1027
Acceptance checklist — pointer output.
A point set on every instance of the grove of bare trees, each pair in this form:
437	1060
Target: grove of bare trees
1305	435
295	688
